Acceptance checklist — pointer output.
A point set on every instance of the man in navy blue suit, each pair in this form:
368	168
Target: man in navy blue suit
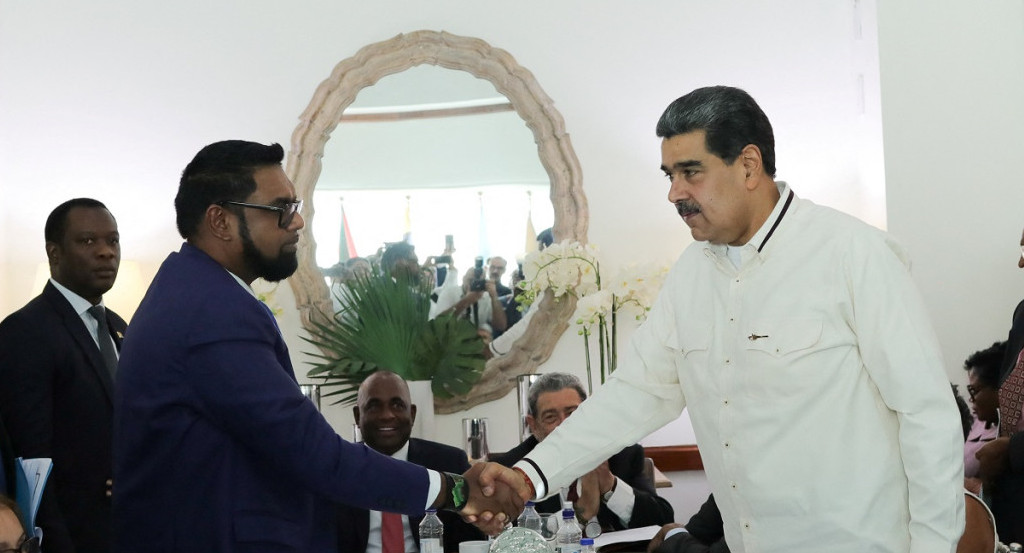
215	447
56	384
385	414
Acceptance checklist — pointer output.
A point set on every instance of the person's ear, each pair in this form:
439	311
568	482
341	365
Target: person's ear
52	253
412	413
220	222
750	155
355	413
532	423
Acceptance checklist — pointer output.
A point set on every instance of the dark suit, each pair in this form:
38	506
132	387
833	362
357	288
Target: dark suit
56	398
354	522
1007	493
628	465
703	534
215	448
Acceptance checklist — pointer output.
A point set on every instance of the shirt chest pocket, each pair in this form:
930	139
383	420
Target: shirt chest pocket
783	337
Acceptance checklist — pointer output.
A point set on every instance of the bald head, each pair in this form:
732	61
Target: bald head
384	412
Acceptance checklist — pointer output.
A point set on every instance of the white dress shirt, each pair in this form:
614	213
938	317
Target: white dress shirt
81	306
373	543
815	387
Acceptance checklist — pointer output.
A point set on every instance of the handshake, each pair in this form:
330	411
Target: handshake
497	495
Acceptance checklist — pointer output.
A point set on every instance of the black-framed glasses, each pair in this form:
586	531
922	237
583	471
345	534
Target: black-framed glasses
29	545
285	213
973	391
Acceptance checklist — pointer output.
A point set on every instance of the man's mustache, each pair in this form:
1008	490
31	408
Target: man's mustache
686	208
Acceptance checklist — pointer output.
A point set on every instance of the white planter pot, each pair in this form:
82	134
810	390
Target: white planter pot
423	398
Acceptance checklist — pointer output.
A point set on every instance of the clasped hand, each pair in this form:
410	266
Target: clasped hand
496	496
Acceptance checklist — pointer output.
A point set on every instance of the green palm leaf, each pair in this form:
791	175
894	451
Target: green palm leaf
382	324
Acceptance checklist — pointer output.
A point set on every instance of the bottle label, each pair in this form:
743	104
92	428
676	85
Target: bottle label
431	545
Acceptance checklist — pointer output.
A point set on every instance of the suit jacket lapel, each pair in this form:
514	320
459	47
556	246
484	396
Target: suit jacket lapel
76	329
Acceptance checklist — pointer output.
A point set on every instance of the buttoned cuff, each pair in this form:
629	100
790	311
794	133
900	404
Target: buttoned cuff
622	501
434	489
540	484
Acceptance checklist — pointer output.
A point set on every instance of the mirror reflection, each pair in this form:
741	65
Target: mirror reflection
436	157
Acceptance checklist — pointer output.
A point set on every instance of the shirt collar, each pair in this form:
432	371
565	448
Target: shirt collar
243	284
78	303
766	227
403	453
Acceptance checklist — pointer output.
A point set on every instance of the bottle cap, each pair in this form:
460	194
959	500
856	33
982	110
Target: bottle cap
587	541
431	510
568	513
529	504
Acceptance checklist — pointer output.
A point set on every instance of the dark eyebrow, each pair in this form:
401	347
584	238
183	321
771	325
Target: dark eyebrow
683	165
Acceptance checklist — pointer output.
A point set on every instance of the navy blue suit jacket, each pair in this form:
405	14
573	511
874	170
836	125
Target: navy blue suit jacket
56	399
215	447
354	522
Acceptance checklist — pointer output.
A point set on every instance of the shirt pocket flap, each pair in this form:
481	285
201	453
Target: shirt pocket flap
779	337
693	336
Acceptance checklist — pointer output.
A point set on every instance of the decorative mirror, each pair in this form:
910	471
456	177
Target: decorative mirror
554	149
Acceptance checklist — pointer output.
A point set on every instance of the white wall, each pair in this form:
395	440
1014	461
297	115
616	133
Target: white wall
111	99
952	81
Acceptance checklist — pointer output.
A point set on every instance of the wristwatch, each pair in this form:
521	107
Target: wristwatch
458	492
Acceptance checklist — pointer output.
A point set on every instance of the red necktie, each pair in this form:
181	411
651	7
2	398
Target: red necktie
1011	398
573	494
392	537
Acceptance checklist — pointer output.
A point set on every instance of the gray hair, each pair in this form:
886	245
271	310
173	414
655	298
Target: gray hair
553	382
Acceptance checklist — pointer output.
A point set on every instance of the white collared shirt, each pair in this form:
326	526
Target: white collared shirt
81	307
373	543
815	386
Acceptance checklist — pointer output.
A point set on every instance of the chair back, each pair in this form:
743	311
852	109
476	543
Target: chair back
980	530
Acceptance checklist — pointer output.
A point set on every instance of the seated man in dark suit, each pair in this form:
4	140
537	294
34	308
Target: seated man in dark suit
702	534
616	491
385	416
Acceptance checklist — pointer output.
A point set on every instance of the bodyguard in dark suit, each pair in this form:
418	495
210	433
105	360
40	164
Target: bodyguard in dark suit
56	383
385	415
626	498
215	448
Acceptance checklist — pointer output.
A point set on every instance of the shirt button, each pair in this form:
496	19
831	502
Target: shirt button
727	361
733	485
725	402
726	444
746	525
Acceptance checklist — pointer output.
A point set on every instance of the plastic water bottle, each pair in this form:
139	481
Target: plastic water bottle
567	539
431	533
587	545
1015	548
530	518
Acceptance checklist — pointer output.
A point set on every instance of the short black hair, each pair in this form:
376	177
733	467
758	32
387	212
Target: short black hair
57	222
221	171
394	252
546	237
986	364
730	119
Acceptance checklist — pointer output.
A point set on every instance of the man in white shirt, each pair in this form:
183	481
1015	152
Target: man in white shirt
796	338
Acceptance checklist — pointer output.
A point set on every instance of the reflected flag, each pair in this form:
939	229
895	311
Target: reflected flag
346	245
531	234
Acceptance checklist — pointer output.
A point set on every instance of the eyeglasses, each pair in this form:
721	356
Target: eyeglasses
285	213
30	545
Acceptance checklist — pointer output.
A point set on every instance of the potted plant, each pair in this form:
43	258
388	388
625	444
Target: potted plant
383	323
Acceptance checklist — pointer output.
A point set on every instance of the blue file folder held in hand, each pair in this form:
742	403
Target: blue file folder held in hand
30	479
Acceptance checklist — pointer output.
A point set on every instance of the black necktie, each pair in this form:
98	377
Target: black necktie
105	339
